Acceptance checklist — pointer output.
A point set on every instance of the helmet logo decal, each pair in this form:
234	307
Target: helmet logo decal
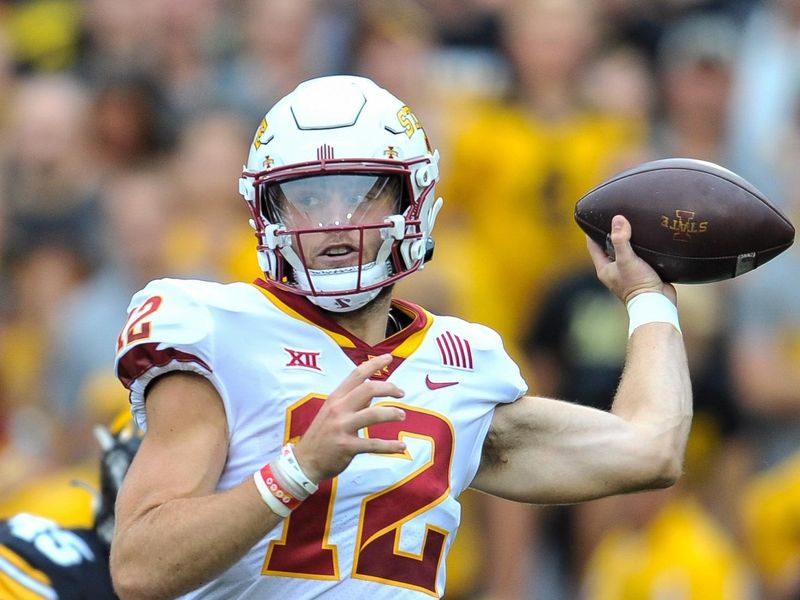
325	152
262	128
408	120
268	162
390	152
343	302
410	124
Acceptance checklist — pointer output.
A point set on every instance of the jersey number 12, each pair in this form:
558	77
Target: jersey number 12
304	551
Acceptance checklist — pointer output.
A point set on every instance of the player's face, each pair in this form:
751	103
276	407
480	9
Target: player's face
329	202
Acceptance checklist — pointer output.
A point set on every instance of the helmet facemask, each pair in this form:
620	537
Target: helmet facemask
340	233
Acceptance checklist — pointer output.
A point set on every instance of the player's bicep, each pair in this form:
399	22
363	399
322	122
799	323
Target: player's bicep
184	450
549	451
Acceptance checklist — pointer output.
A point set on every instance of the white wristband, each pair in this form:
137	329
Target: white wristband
651	307
288	468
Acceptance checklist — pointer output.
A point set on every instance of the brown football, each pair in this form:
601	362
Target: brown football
692	221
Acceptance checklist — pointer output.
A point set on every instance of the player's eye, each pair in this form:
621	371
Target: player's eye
309	202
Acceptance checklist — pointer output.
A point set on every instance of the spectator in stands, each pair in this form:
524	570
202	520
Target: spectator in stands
764	108
138	216
696	62
770	505
283	42
548	148
130	124
49	180
210	238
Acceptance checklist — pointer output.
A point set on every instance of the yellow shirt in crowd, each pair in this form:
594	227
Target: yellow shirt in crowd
681	554
510	185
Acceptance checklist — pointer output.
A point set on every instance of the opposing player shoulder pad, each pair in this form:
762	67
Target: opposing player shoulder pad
39	559
18	577
169	328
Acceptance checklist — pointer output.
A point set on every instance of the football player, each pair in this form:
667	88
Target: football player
39	560
308	435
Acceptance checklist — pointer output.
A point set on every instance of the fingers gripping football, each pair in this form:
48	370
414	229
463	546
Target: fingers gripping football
626	275
332	439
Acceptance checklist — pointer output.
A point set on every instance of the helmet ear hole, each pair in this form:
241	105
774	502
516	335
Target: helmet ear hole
429	247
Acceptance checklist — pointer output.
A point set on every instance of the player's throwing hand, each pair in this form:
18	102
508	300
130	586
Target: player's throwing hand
332	439
626	275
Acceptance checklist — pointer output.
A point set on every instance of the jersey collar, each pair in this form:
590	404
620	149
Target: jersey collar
400	345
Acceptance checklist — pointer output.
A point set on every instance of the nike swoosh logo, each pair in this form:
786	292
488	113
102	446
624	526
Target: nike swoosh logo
437	385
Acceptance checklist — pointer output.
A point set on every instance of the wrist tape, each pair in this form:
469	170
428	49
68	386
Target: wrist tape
651	307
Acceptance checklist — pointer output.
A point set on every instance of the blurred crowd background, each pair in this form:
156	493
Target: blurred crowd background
123	130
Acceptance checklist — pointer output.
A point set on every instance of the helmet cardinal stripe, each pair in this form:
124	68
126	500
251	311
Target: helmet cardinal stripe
325	152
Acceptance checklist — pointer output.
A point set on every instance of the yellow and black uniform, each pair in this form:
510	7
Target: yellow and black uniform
40	560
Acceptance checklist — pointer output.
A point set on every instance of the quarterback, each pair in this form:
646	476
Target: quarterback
308	435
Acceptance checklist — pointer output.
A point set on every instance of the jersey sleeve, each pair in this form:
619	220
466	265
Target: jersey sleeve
504	380
169	328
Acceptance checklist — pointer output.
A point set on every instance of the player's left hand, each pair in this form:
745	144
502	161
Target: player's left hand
626	275
332	440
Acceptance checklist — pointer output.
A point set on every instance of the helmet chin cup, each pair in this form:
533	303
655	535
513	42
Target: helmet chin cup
347	303
345	278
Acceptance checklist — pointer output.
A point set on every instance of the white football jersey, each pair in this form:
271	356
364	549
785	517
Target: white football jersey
382	528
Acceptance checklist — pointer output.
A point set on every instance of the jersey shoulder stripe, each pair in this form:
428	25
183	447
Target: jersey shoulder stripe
143	357
179	325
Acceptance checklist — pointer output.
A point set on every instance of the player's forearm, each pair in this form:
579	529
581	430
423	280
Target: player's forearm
655	395
181	544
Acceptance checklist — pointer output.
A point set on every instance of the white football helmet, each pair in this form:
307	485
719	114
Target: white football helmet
338	167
